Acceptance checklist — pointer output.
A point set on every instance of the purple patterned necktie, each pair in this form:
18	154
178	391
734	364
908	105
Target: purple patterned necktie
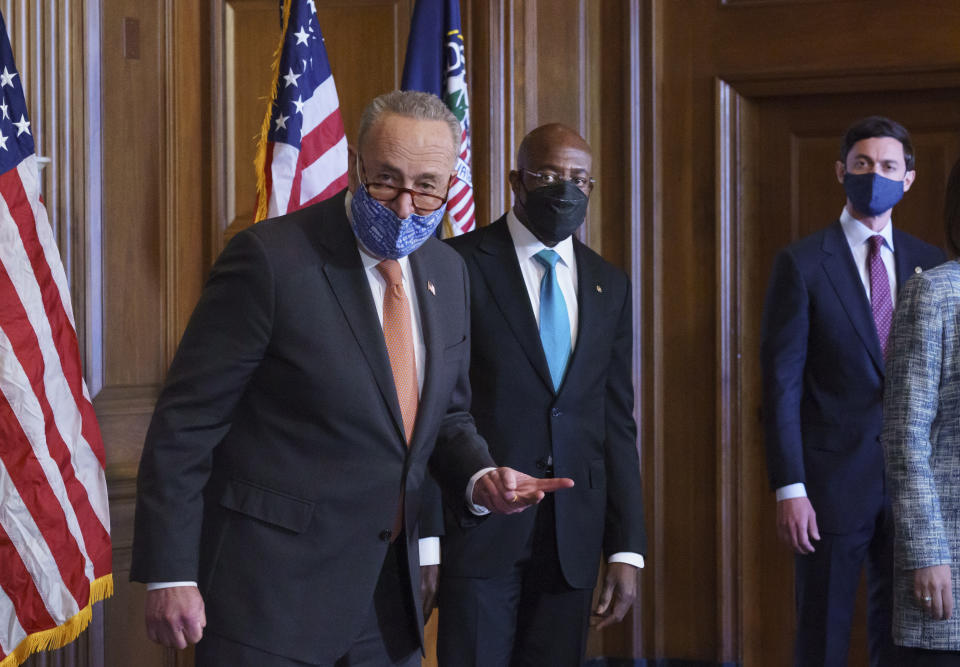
880	299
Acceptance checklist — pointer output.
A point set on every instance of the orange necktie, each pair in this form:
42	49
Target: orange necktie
399	338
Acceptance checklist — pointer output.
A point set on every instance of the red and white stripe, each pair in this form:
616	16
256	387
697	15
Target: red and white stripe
460	205
298	178
55	523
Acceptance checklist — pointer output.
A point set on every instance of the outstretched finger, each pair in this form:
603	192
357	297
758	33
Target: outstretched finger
551	484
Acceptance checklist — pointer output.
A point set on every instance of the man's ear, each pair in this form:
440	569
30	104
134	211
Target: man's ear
516	184
908	179
352	179
841	170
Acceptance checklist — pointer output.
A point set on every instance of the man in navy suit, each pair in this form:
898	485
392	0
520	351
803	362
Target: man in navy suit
825	326
551	375
323	370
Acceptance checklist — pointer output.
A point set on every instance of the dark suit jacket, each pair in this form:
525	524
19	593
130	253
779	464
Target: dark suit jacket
823	375
587	426
275	458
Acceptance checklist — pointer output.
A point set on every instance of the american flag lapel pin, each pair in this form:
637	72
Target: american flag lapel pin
599	289
431	288
917	269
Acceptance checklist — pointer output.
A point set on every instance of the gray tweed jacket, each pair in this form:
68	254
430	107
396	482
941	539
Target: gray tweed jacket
921	441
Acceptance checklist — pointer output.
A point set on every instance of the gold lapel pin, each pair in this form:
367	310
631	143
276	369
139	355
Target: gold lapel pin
431	288
917	269
599	289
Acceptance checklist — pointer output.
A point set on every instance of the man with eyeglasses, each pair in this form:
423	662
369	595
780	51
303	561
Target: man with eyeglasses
551	362
323	370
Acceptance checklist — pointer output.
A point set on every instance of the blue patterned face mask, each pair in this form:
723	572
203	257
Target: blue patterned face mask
383	233
872	193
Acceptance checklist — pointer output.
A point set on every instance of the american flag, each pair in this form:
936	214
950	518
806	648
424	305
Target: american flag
435	64
302	157
55	556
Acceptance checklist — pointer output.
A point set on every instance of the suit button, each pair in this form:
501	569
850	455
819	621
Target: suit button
385	535
555	412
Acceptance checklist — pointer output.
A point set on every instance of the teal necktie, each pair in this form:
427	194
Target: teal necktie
554	321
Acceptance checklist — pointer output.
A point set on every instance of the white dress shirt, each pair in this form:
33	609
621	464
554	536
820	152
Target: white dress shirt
858	238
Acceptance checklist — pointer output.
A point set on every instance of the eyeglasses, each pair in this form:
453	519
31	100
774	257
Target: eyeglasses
382	192
545	178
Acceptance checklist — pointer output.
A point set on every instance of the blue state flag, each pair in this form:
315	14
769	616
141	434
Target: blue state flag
435	64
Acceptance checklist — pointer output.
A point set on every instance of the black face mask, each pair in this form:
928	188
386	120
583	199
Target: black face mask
554	212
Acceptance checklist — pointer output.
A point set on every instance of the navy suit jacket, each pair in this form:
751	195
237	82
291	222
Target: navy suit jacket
823	372
276	456
587	426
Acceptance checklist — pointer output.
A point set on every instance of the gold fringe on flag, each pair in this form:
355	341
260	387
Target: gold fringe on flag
63	634
260	162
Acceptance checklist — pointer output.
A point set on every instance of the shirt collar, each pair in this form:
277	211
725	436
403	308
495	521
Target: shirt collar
528	245
857	233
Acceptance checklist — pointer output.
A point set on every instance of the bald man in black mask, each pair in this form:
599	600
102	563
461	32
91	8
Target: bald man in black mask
553	396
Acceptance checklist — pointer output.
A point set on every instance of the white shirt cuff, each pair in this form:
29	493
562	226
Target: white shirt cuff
478	510
169	584
627	557
429	551
789	491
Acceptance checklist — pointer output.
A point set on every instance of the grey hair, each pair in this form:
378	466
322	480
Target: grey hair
412	104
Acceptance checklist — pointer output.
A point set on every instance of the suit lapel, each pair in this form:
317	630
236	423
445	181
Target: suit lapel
845	279
591	297
905	264
348	281
497	261
424	274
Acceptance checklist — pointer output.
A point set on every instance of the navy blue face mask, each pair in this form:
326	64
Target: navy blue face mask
872	193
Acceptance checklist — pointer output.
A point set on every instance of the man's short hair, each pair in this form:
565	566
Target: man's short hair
412	104
877	126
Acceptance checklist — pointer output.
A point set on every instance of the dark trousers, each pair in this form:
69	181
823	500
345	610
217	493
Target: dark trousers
529	617
389	636
826	589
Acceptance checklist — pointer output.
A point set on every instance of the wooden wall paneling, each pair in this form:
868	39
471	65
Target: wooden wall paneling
687	624
732	155
133	199
640	234
152	187
187	149
132	272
